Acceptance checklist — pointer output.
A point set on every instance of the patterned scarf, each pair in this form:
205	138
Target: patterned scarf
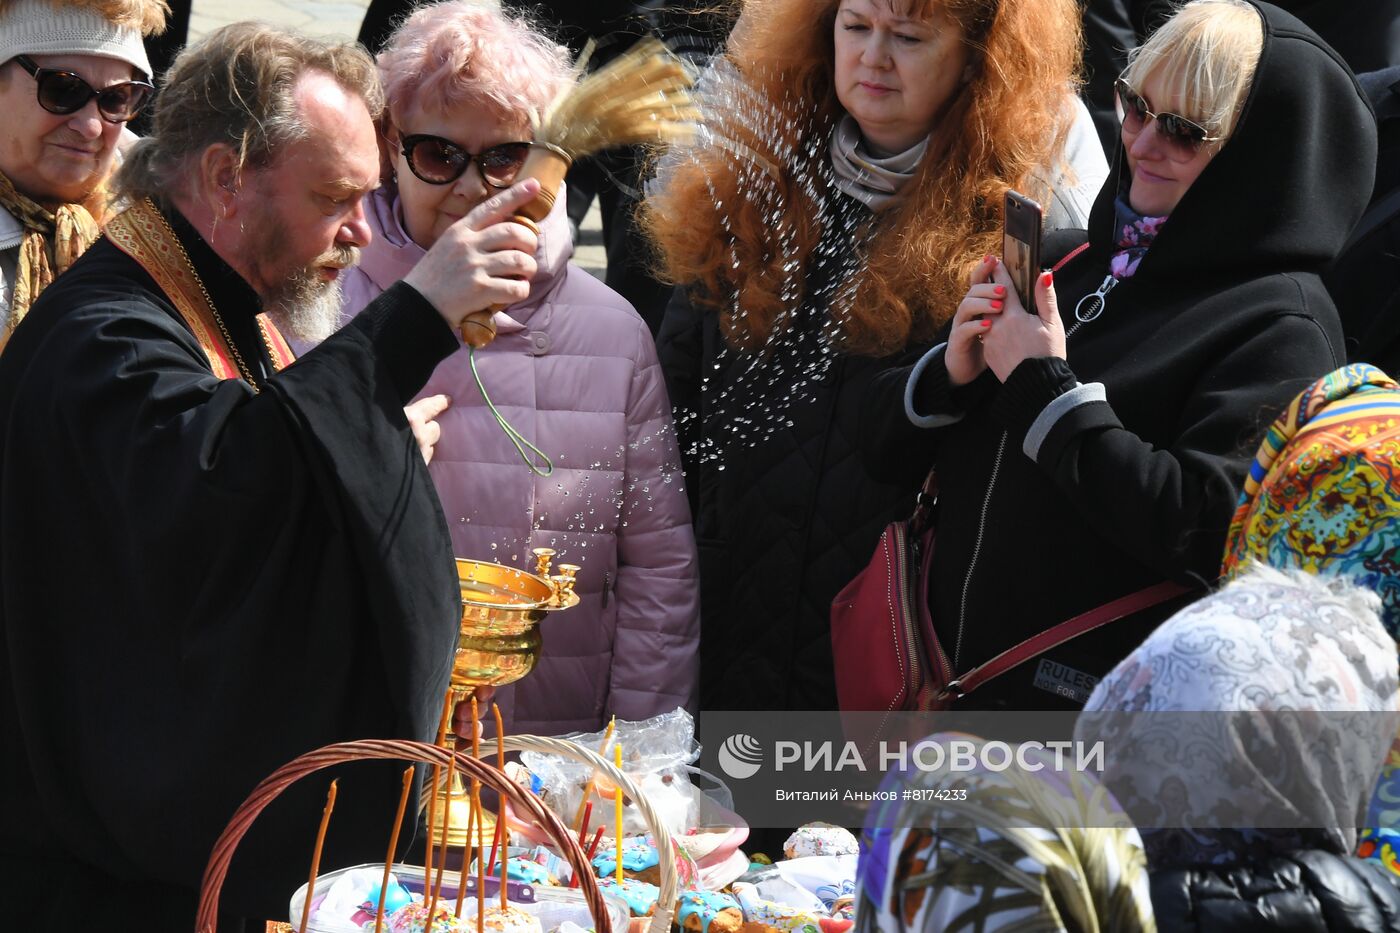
1043	850
1323	496
52	242
1135	234
1241	779
872	180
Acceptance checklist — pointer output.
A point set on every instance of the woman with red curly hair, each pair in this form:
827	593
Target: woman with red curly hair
854	172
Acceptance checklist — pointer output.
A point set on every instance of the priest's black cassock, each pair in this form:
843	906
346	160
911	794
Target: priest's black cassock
199	582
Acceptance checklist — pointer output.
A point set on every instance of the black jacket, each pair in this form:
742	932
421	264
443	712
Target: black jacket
1153	421
1365	281
785	510
198	584
1306	892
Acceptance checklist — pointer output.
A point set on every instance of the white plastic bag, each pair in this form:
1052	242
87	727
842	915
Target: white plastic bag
656	755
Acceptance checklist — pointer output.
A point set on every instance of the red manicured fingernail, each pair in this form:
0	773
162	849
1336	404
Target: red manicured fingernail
985	323
988	258
1000	289
996	305
1047	278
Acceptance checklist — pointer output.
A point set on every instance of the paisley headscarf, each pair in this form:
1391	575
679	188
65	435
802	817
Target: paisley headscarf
1044	850
1269	703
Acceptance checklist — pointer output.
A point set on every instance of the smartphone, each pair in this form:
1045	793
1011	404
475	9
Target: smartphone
1020	245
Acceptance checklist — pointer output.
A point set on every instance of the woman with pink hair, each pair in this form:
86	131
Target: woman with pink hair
573	368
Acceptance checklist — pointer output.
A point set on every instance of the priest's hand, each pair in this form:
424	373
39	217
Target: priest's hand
422	419
481	260
462	716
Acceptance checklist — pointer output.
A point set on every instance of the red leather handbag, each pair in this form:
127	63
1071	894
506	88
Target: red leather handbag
880	623
886	653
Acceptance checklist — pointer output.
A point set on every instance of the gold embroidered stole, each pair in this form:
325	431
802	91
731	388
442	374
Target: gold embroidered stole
143	234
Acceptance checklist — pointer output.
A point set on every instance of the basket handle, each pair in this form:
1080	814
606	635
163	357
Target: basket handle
669	881
402	750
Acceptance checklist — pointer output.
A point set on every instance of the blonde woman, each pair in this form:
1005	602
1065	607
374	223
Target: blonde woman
1094	446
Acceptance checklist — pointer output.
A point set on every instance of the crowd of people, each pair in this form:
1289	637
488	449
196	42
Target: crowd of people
241	439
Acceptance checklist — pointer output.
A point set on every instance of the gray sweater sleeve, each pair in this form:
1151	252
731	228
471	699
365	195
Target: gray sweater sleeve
1076	174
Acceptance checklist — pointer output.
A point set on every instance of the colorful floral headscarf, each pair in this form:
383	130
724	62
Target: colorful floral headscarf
1324	492
1323	497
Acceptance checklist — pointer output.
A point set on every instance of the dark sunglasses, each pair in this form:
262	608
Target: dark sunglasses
439	161
1184	138
64	92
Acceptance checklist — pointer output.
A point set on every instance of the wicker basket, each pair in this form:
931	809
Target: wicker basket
524	802
669	880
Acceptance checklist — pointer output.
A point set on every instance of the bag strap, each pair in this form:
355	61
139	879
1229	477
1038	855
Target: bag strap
1059	634
1065	259
922	519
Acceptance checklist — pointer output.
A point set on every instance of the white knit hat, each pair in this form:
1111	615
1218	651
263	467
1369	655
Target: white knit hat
41	27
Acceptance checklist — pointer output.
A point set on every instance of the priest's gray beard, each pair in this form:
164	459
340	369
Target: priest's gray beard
305	308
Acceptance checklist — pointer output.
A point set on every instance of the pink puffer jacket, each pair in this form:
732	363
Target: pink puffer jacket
573	367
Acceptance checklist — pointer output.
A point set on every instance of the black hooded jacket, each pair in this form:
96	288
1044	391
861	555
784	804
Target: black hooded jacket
1075	483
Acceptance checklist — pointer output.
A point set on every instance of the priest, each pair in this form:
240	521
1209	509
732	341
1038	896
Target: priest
214	558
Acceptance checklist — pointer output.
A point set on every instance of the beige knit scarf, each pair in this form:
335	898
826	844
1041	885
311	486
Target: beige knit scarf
873	180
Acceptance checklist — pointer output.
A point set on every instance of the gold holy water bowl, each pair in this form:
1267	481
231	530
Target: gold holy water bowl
499	638
498	642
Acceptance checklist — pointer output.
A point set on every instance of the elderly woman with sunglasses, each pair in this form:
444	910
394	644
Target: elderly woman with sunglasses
573	368
1090	443
71	76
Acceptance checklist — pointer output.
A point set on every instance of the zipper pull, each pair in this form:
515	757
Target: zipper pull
1092	305
607	588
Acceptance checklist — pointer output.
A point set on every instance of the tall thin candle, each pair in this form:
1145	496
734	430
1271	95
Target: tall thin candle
451	745
446	822
617	810
316	857
393	847
587	818
432	795
465	871
480	848
499	841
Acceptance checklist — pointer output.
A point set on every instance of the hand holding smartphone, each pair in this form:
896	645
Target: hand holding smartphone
1020	245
